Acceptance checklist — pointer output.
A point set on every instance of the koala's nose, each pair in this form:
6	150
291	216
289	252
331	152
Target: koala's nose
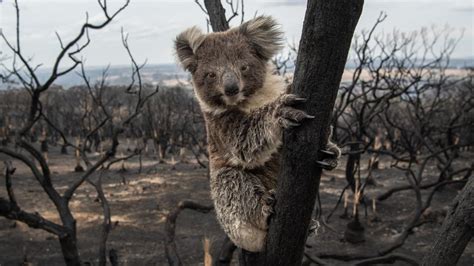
231	89
231	83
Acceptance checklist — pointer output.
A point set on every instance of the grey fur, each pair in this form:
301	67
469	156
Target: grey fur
186	45
245	130
264	34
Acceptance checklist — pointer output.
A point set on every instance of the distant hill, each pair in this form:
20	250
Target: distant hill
453	63
167	73
117	75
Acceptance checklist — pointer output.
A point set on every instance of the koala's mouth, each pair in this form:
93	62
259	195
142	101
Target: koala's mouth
234	100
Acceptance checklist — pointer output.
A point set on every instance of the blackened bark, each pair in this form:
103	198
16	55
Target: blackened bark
456	232
69	250
216	15
325	41
68	242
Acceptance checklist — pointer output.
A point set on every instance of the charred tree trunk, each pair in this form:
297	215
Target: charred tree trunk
69	250
216	15
64	149
325	42
68	241
456	232
352	159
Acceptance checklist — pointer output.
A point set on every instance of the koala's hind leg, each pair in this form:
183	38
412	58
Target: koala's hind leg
243	206
249	237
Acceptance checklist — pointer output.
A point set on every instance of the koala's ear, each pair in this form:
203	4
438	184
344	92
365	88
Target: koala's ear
186	44
264	34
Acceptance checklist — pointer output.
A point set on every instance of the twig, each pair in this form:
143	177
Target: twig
315	259
391	258
338	202
106	224
9	170
33	220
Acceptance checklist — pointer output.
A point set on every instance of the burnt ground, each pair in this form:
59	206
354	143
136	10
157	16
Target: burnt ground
140	202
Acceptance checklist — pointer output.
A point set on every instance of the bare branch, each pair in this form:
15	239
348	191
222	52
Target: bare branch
9	170
170	227
33	220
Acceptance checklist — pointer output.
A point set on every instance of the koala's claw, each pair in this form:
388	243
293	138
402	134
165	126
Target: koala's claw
288	116
291	117
285	123
291	99
329	159
326	165
328	153
301	99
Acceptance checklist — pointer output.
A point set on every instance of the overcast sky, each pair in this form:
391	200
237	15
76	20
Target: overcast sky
153	24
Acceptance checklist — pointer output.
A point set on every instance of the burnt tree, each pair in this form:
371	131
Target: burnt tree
28	154
327	32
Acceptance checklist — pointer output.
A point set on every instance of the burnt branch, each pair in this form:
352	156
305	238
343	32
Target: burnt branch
106	223
9	171
171	251
391	258
26	74
11	211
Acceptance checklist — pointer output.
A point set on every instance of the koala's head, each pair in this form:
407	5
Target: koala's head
229	67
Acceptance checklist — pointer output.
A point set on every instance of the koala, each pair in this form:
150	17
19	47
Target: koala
246	108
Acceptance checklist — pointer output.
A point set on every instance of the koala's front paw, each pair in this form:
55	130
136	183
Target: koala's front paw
287	116
329	157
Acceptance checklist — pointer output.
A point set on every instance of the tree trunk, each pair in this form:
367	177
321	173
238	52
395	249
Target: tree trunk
64	149
69	250
456	232
68	241
216	15
352	159
325	42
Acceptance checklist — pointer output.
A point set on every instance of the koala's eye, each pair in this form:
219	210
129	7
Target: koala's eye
211	75
244	68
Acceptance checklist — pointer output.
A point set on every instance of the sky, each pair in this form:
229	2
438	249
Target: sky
153	24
